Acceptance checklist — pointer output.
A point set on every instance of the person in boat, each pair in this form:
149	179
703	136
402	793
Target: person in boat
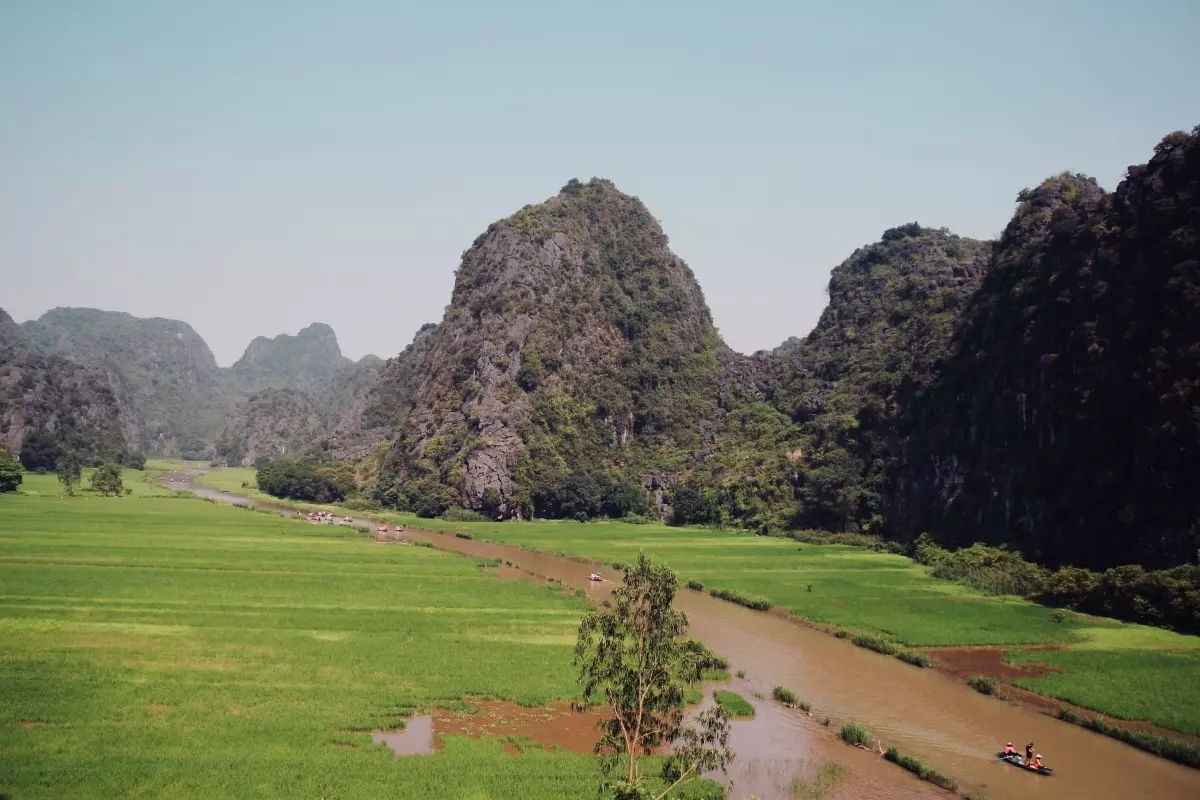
1037	762
1029	752
1009	750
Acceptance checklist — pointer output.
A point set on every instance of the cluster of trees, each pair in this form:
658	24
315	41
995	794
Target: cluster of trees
41	450
1168	598
305	480
11	473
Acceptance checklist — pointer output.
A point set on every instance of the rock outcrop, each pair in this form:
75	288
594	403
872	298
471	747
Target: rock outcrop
270	424
575	340
1065	419
47	401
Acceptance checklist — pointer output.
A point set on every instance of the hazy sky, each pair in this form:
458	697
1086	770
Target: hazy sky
249	167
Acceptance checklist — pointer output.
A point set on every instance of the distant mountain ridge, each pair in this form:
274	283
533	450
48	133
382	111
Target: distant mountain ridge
175	400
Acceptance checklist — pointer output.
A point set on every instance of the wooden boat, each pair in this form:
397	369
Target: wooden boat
1019	761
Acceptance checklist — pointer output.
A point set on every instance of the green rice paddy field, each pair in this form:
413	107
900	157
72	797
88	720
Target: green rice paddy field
164	646
1126	671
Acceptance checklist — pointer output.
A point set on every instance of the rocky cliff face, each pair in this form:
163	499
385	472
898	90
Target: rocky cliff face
46	400
163	372
377	412
575	340
1065	419
270	424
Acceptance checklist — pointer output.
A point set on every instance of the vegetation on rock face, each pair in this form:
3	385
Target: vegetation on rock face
1064	420
576	349
270	424
49	404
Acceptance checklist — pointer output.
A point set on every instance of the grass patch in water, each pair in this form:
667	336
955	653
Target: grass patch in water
876	643
983	684
817	787
695	586
853	733
733	704
915	657
925	773
1172	749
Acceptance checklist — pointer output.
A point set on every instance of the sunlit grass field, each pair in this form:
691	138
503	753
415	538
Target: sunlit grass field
886	594
170	647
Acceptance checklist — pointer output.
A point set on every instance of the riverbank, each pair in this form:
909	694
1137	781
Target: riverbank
1130	672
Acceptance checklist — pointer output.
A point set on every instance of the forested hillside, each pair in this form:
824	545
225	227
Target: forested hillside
1066	419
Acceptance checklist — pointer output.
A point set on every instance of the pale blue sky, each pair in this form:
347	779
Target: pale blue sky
250	167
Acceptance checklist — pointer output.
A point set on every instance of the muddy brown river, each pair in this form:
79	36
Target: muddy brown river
923	712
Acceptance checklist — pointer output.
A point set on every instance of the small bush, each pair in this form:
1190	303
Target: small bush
749	601
696	586
925	773
876	643
983	684
853	733
741	673
621	565
842	633
733	704
463	535
1058	615
804	706
785	696
459	514
1171	749
422	543
915	658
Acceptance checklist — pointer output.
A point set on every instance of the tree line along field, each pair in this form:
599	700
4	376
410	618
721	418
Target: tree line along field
1124	670
160	645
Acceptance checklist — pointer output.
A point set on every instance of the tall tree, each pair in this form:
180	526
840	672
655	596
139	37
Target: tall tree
107	480
69	471
634	656
11	473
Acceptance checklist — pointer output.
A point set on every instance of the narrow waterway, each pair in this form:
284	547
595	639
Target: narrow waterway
923	712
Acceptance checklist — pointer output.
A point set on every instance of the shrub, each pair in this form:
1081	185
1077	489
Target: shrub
785	696
1171	749
459	514
876	643
741	673
706	659
11	473
301	480
463	535
853	733
925	773
421	543
749	601
917	659
619	565
842	633
983	684
695	585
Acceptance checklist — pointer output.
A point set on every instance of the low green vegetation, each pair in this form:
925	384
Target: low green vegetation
878	594
877	643
1181	752
925	773
983	684
1155	685
742	599
785	696
159	645
915	657
853	733
819	785
733	704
